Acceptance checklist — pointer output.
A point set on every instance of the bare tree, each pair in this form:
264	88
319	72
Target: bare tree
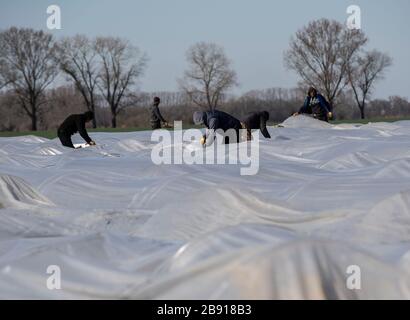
121	66
79	60
209	75
4	79
364	71
321	52
29	56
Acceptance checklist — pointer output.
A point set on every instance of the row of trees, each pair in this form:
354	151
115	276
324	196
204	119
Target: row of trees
280	103
105	70
30	61
329	56
325	54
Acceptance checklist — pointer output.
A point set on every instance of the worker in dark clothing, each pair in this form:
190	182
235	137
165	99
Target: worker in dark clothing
73	124
156	117
214	120
256	120
316	105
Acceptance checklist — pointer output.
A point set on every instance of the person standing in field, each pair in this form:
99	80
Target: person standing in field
156	116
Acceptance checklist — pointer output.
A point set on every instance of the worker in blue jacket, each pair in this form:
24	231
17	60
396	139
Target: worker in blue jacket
217	120
316	105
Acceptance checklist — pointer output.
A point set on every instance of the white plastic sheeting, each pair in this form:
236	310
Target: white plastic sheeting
325	198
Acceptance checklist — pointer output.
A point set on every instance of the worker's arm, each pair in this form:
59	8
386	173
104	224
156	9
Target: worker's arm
323	104
83	132
306	107
210	133
263	128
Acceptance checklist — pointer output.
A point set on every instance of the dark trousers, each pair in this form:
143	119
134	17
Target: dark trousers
65	139
156	125
248	132
321	117
236	139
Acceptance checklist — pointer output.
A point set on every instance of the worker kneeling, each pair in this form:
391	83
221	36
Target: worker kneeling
218	121
316	105
256	121
73	124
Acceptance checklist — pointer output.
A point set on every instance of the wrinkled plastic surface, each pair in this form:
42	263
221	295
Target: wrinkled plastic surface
325	198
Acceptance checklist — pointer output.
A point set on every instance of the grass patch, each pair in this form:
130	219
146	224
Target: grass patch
366	121
51	134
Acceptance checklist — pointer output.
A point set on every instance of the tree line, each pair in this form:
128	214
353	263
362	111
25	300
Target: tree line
281	103
42	77
328	55
106	67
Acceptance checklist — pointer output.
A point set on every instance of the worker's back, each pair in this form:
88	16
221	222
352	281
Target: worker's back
73	124
223	120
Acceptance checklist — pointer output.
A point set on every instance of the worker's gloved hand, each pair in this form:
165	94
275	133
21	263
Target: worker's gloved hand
203	141
296	114
92	143
330	115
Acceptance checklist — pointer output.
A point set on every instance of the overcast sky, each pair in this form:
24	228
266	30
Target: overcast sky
254	33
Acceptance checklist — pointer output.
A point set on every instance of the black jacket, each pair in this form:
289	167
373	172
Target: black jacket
155	114
73	124
257	120
215	120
